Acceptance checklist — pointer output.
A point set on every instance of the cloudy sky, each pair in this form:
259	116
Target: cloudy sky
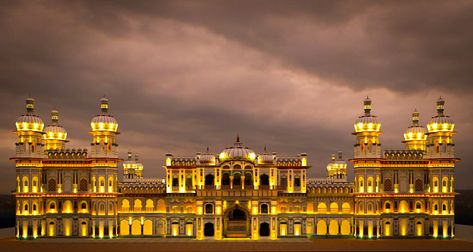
184	75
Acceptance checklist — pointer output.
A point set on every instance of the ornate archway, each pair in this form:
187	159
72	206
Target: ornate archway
237	223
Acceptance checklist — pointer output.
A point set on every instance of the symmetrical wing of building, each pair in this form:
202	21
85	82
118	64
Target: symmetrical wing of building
236	193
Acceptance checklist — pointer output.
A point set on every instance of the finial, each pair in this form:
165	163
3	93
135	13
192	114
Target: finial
440	106
54	117
367	106
129	155
104	105
332	157
29	105
340	155
136	157
238	138
415	118
264	150
208	149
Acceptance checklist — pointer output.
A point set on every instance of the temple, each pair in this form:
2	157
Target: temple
237	192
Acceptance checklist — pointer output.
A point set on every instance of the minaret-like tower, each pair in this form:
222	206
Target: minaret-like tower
337	168
440	131
29	129
415	137
367	132
104	133
132	168
55	136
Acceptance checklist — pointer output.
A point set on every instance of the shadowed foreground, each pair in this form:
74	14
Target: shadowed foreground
464	242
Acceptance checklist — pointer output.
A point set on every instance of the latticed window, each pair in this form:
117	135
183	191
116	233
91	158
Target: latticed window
419	185
52	185
388	186
83	185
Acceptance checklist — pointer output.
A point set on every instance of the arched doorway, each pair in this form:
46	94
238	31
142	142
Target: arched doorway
208	229
264	229
236	223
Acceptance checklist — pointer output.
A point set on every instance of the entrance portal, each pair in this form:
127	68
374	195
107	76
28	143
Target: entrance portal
264	229
236	223
209	229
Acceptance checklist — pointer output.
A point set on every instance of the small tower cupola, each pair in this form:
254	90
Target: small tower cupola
415	136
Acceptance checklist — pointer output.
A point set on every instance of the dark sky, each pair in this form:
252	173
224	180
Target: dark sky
291	75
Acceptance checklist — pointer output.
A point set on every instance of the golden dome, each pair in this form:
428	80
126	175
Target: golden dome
440	122
415	131
54	131
237	152
104	121
367	122
29	121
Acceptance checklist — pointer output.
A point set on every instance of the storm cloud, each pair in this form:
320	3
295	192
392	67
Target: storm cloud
184	75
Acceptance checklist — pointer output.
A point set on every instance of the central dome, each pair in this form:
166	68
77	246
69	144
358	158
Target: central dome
237	152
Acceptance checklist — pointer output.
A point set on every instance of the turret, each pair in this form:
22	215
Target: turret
440	131
415	136
337	168
55	136
367	132
132	168
29	129
104	131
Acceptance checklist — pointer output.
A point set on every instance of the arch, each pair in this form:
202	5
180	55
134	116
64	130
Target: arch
321	227
321	207
209	180
248	179
403	207
137	205
237	167
370	184
83	207
67	206
361	184
225	179
208	229
124	228
209	208
334	207
419	228
345	227
34	184
237	179
25	208
237	214
388	228
83	229
148	227
161	206
387	206
52	206
149	205
51	228
435	181
101	184
445	184
110	184
136	227
333	227
125	205
418	207
25	184
346	208
264	229
264	180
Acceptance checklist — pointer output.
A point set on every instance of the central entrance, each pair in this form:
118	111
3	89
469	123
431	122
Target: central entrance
236	223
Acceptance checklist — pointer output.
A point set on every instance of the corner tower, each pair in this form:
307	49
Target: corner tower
104	133
367	132
29	129
440	132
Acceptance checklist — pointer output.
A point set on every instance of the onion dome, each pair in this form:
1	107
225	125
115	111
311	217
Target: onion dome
265	158
337	168
54	131
415	132
104	121
29	121
440	122
237	152
367	122
206	158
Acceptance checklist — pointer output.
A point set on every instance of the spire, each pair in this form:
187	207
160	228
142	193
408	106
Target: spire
264	150
367	106
440	106
29	105
415	118
207	150
55	117
104	105
238	143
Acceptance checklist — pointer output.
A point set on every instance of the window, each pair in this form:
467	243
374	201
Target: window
52	185
175	182
26	207
83	185
209	180
388	186
419	185
209	209
264	208
83	206
387	206
52	206
297	182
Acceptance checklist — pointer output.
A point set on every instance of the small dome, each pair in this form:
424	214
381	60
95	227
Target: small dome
265	158
206	158
104	121
440	122
415	131
29	121
367	122
237	152
54	131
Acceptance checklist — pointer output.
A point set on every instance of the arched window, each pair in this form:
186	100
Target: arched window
248	179
387	206
209	180
209	208
83	206
226	179
26	207
264	180
237	179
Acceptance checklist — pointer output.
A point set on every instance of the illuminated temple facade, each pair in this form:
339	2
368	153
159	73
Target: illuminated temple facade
236	193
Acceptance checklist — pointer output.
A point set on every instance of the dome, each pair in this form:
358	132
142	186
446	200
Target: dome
207	157
29	121
415	131
265	157
104	121
367	122
440	122
54	131
237	152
